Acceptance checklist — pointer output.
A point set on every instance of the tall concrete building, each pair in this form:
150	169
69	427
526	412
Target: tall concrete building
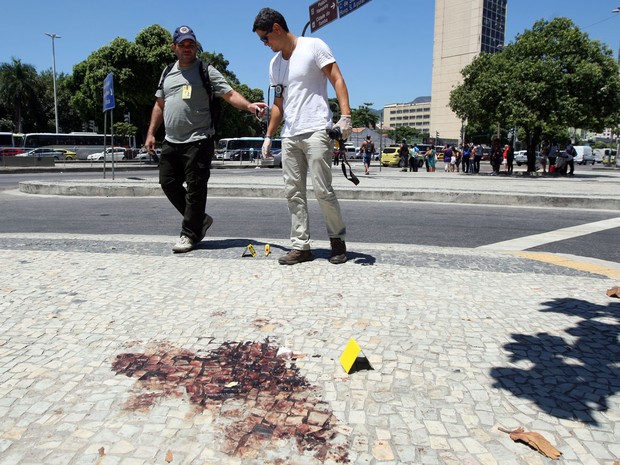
463	29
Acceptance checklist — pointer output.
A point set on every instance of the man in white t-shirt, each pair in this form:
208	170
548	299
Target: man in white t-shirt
298	75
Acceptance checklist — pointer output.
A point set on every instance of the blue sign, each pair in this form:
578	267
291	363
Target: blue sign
347	6
108	92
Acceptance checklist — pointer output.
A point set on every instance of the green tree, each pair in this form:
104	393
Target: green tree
137	68
552	75
404	132
18	88
125	131
42	115
362	117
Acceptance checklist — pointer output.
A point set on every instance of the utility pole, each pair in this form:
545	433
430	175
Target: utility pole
53	37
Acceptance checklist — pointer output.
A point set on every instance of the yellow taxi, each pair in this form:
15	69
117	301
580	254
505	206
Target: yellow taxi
67	154
390	156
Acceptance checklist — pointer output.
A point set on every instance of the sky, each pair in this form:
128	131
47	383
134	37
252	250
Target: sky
384	48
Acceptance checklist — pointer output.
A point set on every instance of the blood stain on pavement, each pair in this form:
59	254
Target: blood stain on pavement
277	402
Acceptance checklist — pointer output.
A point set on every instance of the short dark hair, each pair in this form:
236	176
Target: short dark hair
266	18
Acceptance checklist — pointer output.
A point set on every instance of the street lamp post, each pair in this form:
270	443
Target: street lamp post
53	37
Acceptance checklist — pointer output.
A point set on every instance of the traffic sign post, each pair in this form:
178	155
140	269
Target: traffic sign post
325	11
347	6
108	105
108	92
321	13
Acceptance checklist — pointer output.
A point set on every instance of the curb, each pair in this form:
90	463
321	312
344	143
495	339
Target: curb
149	189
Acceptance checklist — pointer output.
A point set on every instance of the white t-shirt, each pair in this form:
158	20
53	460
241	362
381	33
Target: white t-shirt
305	104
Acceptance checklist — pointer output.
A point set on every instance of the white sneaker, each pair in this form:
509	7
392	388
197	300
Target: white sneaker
184	244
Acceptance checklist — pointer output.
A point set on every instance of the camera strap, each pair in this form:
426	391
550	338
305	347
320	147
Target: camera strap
351	177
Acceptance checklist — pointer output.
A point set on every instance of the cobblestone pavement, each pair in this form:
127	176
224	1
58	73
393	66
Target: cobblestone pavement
115	351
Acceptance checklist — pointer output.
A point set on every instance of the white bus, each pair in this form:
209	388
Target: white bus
243	148
82	143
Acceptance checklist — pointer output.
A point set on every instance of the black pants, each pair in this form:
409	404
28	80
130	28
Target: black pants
477	164
571	166
465	164
413	164
190	164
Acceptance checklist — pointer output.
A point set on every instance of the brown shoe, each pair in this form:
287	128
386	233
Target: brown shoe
296	256
339	251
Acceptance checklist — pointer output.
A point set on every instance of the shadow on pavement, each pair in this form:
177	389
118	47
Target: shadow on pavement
354	257
572	377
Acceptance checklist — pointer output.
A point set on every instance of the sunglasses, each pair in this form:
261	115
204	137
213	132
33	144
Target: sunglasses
265	38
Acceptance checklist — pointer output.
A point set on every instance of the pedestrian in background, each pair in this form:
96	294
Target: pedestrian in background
478	153
430	158
447	158
299	73
367	149
465	158
496	157
544	152
505	157
552	156
182	104
403	151
413	158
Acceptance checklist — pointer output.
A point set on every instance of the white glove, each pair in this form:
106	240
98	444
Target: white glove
266	149
346	128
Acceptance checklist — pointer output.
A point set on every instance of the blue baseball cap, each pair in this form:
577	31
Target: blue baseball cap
182	33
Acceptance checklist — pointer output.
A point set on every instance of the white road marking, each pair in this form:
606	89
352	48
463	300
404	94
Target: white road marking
528	242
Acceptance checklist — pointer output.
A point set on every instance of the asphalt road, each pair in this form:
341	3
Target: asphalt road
433	224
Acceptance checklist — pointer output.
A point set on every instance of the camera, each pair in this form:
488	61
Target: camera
334	133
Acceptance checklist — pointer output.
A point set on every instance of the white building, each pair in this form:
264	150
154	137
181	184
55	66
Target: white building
416	114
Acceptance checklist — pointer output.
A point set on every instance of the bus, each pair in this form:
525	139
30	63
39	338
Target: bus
243	148
82	143
9	144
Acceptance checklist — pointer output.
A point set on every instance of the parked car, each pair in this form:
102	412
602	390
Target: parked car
43	152
607	156
147	156
10	151
521	158
390	156
67	154
118	153
584	155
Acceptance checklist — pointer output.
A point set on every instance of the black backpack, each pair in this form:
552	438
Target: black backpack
215	104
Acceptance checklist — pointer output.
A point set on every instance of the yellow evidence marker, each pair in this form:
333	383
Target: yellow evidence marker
249	251
350	357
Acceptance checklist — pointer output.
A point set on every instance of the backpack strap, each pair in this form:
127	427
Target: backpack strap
206	81
214	106
163	76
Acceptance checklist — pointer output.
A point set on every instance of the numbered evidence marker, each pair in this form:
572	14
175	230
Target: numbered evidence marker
351	360
249	251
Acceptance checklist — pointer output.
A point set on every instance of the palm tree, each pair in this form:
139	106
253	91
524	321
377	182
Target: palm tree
18	87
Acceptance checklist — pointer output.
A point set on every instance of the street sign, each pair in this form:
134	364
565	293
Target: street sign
322	12
347	6
108	92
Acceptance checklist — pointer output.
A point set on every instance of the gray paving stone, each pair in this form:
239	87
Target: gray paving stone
446	371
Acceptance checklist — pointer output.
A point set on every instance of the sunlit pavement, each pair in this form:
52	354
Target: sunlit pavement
115	351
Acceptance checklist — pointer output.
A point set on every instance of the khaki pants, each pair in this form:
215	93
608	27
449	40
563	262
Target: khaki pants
311	152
